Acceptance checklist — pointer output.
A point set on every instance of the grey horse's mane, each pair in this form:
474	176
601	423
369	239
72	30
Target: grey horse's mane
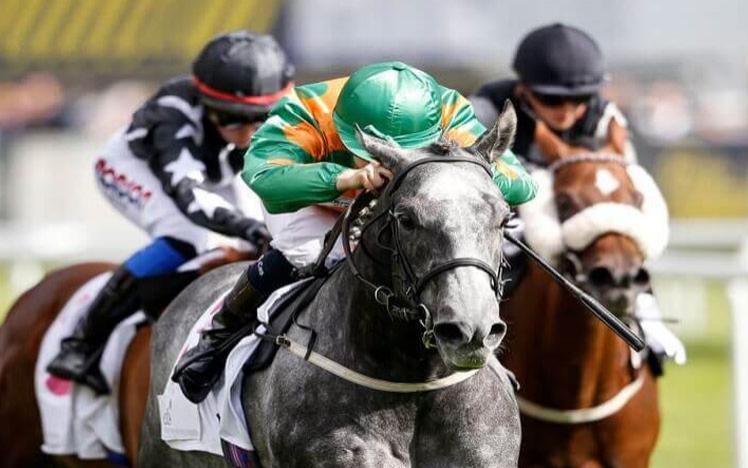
443	147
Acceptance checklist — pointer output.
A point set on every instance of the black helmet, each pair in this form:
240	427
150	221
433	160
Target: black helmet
242	73
560	60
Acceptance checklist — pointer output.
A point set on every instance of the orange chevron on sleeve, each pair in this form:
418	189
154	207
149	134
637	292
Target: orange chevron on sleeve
504	168
461	136
307	137
450	109
321	107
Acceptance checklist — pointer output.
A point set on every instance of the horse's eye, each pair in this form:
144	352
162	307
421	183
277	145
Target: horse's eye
406	222
564	206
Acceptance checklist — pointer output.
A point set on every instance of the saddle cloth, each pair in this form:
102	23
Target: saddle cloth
76	421
202	427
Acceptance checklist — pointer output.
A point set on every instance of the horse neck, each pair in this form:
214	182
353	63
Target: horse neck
372	342
561	342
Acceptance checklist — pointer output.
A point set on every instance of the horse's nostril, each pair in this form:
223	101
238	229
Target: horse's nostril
641	278
498	329
450	333
600	277
495	335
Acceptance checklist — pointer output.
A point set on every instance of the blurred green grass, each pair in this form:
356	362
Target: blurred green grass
6	293
695	400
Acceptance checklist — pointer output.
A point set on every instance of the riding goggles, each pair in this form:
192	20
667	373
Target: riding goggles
556	100
230	121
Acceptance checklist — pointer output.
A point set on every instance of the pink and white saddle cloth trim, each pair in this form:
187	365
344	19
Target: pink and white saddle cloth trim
76	421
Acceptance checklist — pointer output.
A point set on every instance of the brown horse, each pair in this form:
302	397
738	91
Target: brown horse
563	357
20	339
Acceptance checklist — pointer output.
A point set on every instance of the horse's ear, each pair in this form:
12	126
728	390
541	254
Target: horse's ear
494	142
389	154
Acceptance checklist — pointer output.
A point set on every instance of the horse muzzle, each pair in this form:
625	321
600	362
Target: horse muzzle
463	346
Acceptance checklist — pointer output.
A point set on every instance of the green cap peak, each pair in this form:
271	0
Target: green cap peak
390	99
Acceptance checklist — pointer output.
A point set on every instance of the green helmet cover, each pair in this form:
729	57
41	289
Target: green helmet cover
390	100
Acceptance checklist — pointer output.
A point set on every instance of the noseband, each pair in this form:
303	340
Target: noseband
405	303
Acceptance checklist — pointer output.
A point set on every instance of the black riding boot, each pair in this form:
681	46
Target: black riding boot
201	367
80	353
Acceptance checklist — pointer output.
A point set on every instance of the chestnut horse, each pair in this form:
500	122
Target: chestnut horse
585	400
20	339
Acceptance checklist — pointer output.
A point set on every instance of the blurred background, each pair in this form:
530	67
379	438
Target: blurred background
73	71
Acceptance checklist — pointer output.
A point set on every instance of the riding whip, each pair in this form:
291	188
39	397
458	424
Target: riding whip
599	310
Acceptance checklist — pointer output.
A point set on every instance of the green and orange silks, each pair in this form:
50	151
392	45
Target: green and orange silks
295	157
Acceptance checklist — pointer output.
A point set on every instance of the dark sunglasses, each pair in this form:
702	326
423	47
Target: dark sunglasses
556	100
231	121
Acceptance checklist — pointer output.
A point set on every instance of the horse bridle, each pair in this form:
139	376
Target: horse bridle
573	256
405	303
586	157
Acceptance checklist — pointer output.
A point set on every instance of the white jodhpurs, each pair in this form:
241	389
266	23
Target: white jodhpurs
300	235
131	187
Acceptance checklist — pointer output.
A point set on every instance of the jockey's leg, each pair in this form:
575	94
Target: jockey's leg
660	340
80	353
297	241
201	367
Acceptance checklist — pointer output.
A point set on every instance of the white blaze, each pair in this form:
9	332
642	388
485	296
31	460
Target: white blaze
605	182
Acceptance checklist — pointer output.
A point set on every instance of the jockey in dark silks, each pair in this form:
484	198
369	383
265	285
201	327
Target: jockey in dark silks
172	172
561	72
306	157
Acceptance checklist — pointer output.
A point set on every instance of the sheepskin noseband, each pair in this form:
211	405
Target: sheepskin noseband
647	226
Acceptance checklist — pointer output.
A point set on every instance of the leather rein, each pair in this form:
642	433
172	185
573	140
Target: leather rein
403	299
406	304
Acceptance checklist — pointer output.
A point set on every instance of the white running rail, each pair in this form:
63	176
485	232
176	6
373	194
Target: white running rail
718	250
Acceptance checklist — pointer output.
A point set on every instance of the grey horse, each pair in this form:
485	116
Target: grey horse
303	416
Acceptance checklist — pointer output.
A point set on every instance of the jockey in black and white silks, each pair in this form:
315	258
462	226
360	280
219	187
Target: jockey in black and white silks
172	172
560	74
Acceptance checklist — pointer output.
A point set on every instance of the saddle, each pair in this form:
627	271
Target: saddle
285	313
282	315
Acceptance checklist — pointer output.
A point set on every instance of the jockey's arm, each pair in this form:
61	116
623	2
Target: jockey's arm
181	172
463	127
513	180
283	173
285	183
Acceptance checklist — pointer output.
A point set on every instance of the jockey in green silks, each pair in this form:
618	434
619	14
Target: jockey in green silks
306	158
